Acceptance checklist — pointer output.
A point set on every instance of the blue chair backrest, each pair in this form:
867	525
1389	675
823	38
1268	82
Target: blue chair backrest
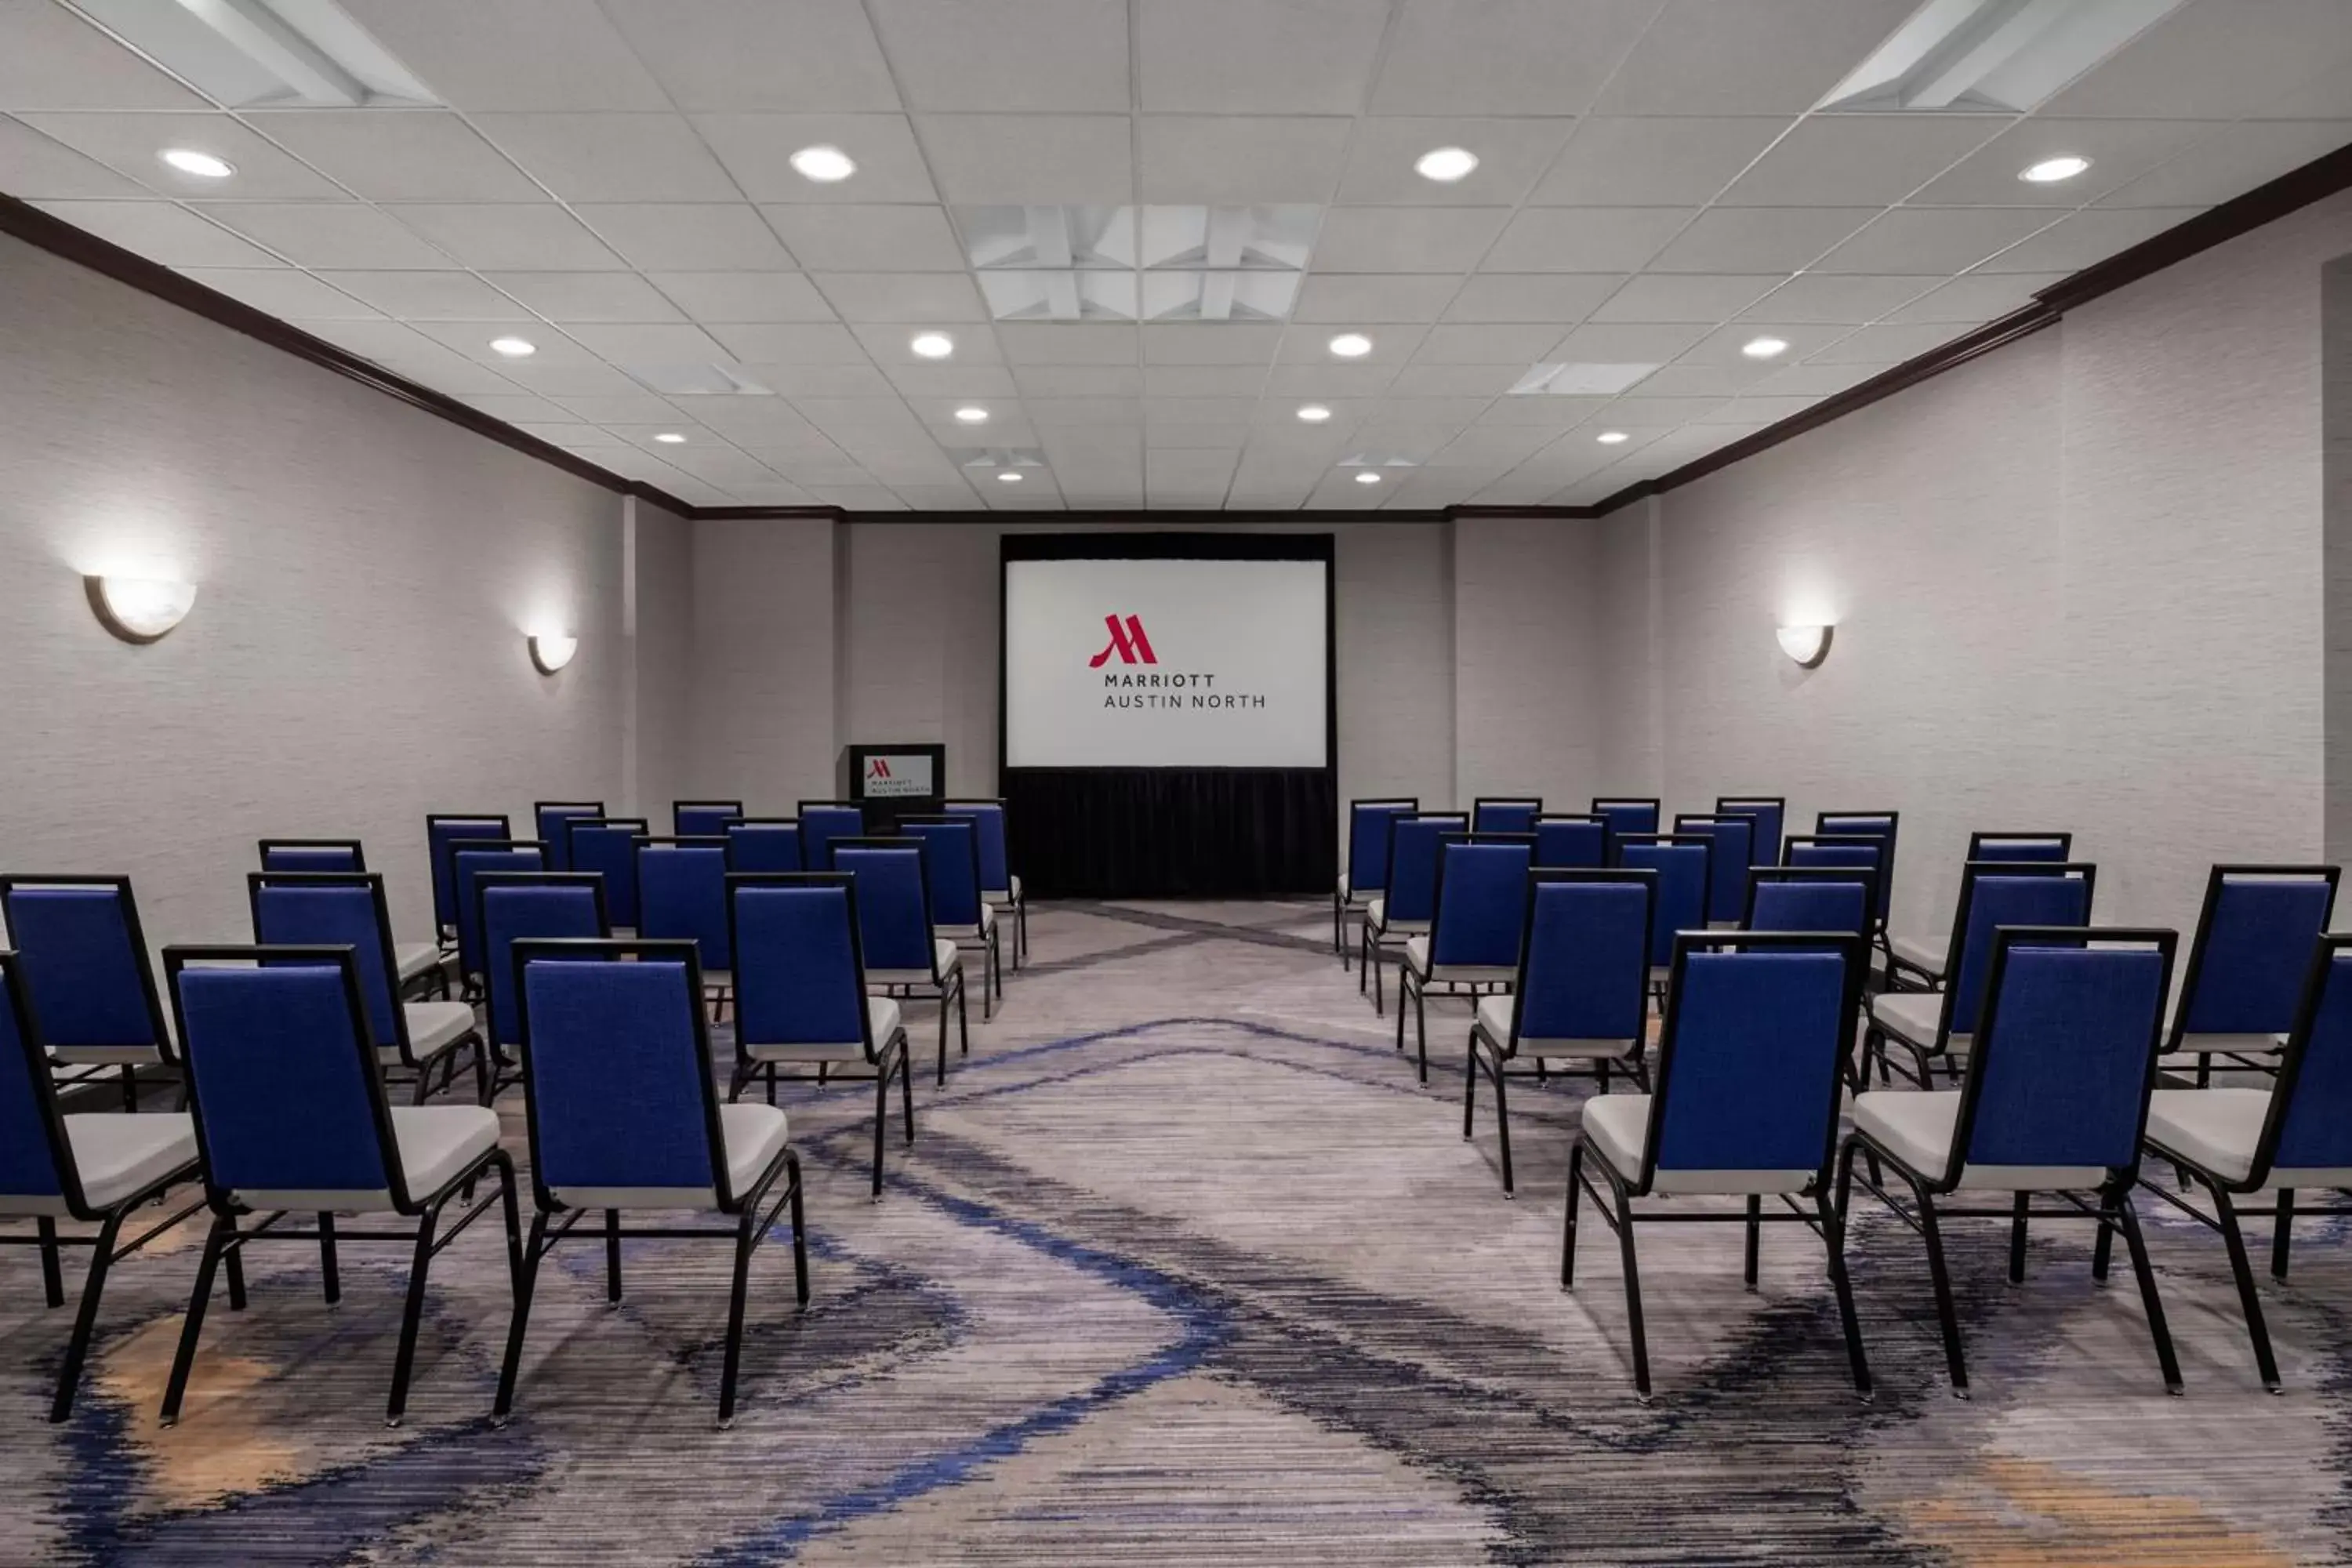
764	846
1588	960
1503	815
1681	902
1571	843
618	1073
1768	813
1748	1060
514	911
797	978
1624	816
82	962
2060	1073
995	859
334	914
1727	863
1411	882
1867	825
440	833
2019	848
1482	903
2315	1123
821	824
1368	842
703	818
281	1084
951	867
284	856
2006	897
550	817
609	849
682	894
2253	948
893	924
1850	854
28	1146
1811	905
468	864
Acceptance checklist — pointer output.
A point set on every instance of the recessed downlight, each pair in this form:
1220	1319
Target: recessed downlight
1765	348
975	414
670	438
1009	477
1314	414
932	345
1351	345
514	347
1445	164
204	165
1611	437
825	164
2049	171
1368	477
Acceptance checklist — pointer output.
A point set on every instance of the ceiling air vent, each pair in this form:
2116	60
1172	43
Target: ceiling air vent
1992	55
263	54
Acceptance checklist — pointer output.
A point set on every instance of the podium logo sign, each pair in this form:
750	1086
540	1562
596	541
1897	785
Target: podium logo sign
1127	641
907	777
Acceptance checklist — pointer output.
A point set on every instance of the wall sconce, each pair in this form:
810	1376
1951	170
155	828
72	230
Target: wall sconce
1807	644
551	651
139	609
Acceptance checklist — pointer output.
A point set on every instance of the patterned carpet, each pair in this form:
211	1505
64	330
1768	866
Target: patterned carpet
1186	1268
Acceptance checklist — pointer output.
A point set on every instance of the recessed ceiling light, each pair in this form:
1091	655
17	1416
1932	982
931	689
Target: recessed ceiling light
824	164
1368	477
2049	171
1611	437
973	416
1765	348
204	165
514	347
933	345
670	438
1314	414
1351	345
1446	164
1009	477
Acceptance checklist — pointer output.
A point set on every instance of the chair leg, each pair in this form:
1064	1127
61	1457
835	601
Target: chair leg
1421	1027
232	1264
2281	1238
2128	1222
735	1083
404	1361
613	1258
525	1281
963	1018
53	1280
1755	1228
746	1237
1833	1236
215	1240
2242	1269
1503	1130
907	1087
485	1080
331	1279
1568	1225
102	1257
1946	1313
1470	1092
2017	1238
800	1233
881	1121
129	1088
424	1083
1634	1298
1404	988
2101	1250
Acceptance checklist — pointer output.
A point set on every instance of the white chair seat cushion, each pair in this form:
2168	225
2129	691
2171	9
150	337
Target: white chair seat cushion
416	958
2218	1129
1917	1129
1376	914
433	1028
972	933
1494	1016
2237	1045
1618	1126
1924	954
1416	958
945	960
434	1144
1008	895
753	1135
1914	1014
105	1056
882	1016
118	1153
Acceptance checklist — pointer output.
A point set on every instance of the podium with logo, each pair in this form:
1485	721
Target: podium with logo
891	782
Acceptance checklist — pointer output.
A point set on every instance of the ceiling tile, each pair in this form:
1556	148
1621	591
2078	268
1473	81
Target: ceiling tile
1512	154
565	297
1756	410
514	55
1427	380
1328	381
612	157
1058	57
1850	297
1686	297
645	346
1406	239
757	150
132	144
544	237
574	434
289	295
162	232
1238	161
565	383
1047	412
1512	345
2119	151
932	497
1256	56
1728	345
449	296
1505	56
1370	297
1049	343
759	54
1492	444
1008	159
1776	57
1080	379
57	61
2233	159
2215	59
820	380
518	405
1450	413
1977	297
1888	345
1686	379
34	168
1666	160
414	155
1625	344
674	237
1586	239
1759	239
743	296
473	339
1643	412
855	238
1811	381
1564	297
343	235
1932	241
1203	380
910	298
1853	160
2075	242
1211	342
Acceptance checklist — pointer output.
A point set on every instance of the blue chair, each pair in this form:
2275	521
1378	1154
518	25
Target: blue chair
1582	990
1368	846
951	869
473	857
1810	898
1771	813
441	831
93	1166
1728	864
822	822
312	855
1749	1075
623	1114
83	961
799	993
517	906
1626	813
1685	863
682	897
1505	813
1919	961
328	908
1933	1024
1878	825
1408	901
1569	843
2020	846
2247	963
290	1116
703	818
550	816
999	883
904	957
607	846
1473	945
2295	1132
2055	1100
764	844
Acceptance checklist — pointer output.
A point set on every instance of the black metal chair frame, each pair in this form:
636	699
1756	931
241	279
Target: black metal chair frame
1473	989
68	1075
716	995
1018	905
506	1071
447	934
940	987
1340	908
991	950
1372	942
2195	966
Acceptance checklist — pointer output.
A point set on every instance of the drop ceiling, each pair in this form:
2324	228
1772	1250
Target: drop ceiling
611	180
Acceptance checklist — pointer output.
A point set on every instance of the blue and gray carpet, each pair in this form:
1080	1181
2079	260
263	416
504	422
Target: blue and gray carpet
1185	1268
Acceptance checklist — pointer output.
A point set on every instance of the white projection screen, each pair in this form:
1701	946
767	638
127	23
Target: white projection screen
1167	662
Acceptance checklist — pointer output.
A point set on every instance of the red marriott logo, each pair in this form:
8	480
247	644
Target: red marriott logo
879	768
1128	641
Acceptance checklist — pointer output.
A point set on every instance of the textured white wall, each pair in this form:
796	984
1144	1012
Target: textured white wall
763	727
1527	671
355	657
660	617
